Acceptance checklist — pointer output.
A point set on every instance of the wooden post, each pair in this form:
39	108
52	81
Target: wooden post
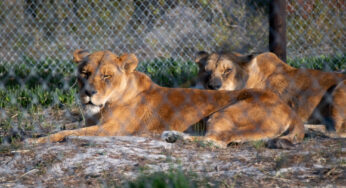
277	28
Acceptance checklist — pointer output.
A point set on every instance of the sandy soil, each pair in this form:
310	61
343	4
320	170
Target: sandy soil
92	161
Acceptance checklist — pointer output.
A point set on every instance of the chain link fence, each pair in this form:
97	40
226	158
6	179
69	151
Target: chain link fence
38	87
37	39
37	30
53	29
315	28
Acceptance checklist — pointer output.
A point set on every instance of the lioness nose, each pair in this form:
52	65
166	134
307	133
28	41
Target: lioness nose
90	92
214	85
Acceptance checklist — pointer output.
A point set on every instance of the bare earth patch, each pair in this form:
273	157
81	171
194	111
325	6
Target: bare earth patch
106	161
92	161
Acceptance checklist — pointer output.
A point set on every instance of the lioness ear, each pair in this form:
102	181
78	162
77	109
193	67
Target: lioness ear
79	55
244	59
129	62
200	57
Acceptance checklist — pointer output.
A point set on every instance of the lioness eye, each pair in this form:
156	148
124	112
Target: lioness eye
106	76
227	71
85	74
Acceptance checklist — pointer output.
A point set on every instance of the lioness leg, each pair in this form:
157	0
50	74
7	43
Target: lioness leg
97	130
247	121
338	109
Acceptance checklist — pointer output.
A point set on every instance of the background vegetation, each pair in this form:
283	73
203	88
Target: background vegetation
163	28
26	87
38	82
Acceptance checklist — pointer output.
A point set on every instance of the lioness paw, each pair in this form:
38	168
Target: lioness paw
172	136
218	144
280	144
31	141
40	140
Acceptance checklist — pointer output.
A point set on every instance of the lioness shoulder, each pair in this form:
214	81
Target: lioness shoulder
307	91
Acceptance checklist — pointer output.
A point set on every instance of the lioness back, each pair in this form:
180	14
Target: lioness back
311	93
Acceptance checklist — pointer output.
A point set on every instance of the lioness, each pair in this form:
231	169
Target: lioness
126	102
316	96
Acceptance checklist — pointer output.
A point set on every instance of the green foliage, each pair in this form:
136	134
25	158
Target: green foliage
23	97
32	83
327	63
173	178
259	145
35	83
50	73
281	161
170	72
310	23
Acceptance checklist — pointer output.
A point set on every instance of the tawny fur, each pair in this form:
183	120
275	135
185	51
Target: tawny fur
317	97
131	104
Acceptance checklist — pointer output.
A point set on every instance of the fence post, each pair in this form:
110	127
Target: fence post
277	28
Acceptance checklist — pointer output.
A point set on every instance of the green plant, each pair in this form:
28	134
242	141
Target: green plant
327	63
259	145
30	98
281	162
169	72
172	178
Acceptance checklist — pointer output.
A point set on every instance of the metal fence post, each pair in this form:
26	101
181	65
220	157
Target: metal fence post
277	28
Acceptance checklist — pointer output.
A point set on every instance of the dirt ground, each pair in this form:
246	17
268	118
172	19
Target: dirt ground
103	161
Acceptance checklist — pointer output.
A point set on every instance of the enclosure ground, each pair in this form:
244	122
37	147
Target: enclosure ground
99	161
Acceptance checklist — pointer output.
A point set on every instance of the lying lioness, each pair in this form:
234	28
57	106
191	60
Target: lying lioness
121	101
316	96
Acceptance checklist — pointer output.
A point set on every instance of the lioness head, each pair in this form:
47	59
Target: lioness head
102	77
222	71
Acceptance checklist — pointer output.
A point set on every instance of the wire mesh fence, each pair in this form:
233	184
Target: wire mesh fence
40	30
38	87
50	30
315	28
38	37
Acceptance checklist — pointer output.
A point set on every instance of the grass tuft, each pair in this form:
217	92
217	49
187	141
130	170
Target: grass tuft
170	72
326	63
173	178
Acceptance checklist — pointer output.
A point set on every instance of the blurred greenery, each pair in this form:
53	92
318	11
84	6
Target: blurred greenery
322	62
314	25
170	72
46	28
173	178
32	83
16	97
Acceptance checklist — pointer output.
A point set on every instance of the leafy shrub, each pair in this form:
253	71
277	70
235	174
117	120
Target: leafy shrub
169	72
24	97
327	63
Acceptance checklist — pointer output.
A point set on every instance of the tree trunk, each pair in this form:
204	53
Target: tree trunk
277	28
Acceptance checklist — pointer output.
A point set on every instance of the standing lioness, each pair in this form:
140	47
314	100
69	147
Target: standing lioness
316	96
121	101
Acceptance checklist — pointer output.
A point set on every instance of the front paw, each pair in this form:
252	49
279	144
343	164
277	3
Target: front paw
31	141
172	136
280	144
40	140
218	144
